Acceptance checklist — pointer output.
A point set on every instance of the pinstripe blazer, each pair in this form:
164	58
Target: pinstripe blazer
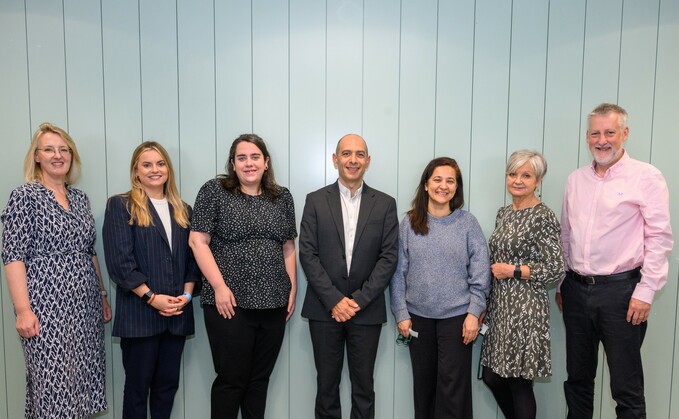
137	255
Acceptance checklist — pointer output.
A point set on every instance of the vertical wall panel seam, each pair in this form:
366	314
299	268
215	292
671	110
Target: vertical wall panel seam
655	83
28	72
325	94
582	80
141	72
398	112
252	67
676	297
509	90
471	105
63	34
214	77
362	67
178	172
622	28
398	164
544	92
112	406
436	72
289	324
179	104
289	137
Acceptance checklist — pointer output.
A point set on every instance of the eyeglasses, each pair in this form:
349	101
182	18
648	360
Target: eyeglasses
403	341
51	151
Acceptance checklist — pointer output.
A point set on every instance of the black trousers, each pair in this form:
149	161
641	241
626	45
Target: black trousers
329	340
151	374
598	313
442	369
244	352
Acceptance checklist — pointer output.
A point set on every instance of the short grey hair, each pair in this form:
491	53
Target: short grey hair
521	157
608	108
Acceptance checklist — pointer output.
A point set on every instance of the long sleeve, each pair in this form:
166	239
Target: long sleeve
119	246
397	286
658	241
549	267
309	257
479	269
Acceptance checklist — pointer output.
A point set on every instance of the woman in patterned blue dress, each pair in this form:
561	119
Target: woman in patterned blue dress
54	281
525	256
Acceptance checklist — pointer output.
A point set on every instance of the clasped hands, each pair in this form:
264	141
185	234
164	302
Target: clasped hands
168	305
344	310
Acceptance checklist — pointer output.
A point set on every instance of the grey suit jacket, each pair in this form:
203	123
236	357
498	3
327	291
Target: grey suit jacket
322	254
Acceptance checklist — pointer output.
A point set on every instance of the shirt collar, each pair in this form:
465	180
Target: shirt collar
347	193
617	167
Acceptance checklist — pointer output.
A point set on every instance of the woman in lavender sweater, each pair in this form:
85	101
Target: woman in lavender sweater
439	290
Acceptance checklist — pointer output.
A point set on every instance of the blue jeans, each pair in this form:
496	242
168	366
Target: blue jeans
598	313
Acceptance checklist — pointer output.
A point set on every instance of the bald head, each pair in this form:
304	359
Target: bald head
351	160
352	138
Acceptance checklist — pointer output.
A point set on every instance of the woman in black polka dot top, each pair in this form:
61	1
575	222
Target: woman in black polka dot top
243	232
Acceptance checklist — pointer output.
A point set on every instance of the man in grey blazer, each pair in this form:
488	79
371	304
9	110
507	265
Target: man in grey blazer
348	249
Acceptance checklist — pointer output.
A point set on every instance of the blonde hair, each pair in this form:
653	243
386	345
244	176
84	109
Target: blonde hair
32	169
137	199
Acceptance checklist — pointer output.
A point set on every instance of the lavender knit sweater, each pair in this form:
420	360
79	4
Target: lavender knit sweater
443	274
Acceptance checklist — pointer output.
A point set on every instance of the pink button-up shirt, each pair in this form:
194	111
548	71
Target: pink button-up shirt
617	222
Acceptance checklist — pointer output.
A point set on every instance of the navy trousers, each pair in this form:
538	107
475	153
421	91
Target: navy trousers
151	374
598	313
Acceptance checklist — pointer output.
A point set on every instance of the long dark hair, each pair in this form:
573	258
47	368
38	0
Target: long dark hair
230	181
419	220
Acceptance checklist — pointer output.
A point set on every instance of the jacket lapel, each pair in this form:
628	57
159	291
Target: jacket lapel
367	203
335	205
158	224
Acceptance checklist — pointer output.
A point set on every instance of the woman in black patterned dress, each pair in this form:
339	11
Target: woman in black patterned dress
243	232
525	256
54	279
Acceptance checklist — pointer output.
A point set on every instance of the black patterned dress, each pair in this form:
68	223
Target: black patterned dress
65	363
517	343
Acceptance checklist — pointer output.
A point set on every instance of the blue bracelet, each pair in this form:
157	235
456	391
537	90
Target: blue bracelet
189	296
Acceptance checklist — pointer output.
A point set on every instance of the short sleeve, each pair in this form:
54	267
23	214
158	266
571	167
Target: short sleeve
289	209
18	219
205	209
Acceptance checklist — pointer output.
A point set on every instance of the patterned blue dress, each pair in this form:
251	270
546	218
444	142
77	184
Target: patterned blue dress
65	363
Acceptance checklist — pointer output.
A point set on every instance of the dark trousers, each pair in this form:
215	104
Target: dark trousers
244	352
593	314
151	374
328	340
514	395
442	369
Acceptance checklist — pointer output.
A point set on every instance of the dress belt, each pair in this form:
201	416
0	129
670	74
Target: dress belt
603	279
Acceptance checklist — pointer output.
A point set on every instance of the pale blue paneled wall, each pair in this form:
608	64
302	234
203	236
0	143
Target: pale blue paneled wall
418	78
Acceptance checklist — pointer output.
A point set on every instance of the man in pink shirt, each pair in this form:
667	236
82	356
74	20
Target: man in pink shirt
616	234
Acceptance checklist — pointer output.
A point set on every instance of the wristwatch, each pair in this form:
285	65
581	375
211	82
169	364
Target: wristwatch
147	296
517	271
